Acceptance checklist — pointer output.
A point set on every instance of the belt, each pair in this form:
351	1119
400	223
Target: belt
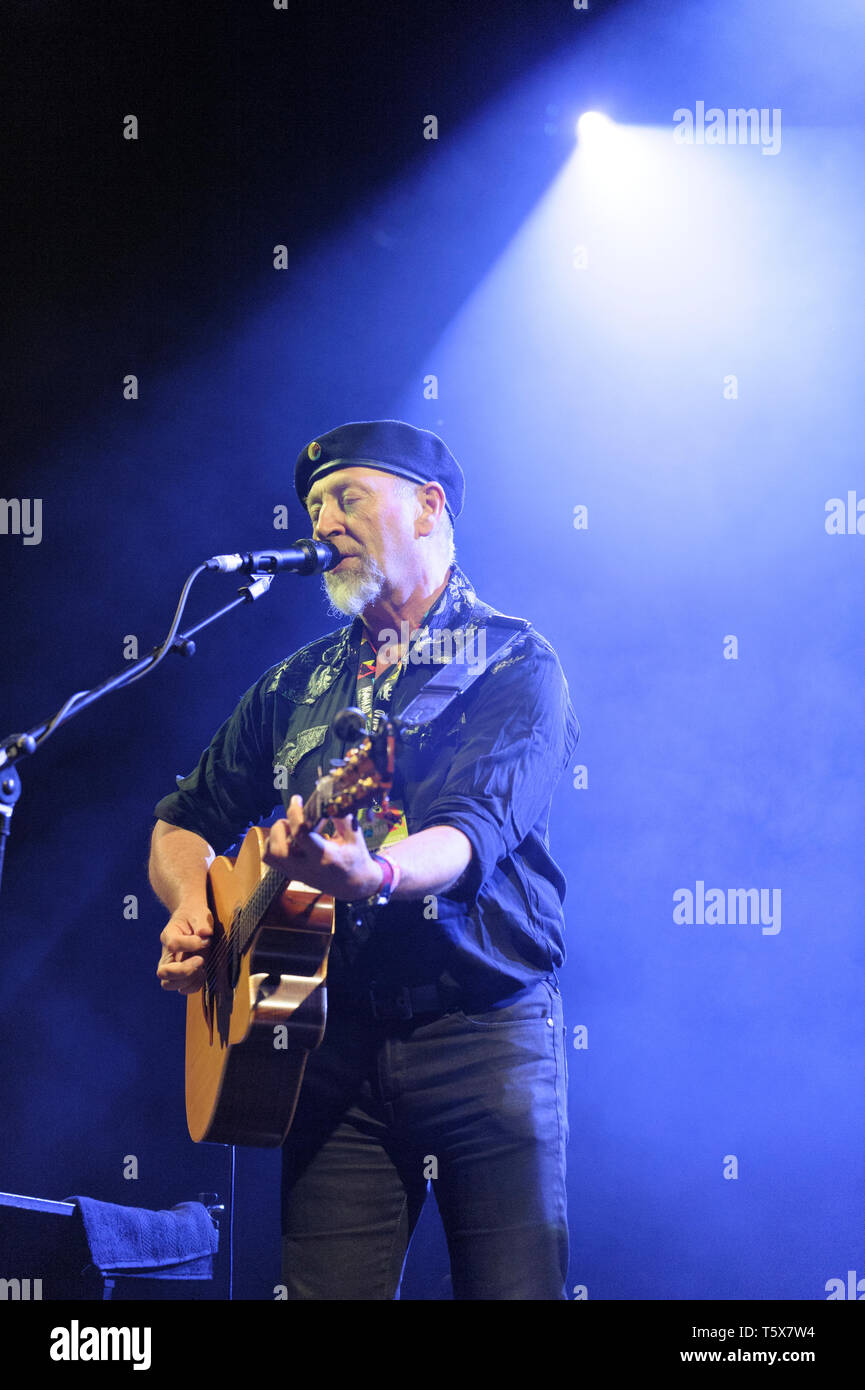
387	1003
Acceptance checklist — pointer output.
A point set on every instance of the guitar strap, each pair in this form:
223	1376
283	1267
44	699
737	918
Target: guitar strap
479	648
480	644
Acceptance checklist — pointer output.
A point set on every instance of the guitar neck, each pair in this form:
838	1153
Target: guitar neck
256	905
273	882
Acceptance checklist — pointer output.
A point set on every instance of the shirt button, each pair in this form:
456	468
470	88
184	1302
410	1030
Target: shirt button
550	1023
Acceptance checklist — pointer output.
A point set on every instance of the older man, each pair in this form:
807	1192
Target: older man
444	1056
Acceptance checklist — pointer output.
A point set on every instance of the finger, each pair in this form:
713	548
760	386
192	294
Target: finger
184	942
279	838
171	965
182	987
176	939
174	929
282	842
173	973
347	826
345	832
307	844
181	926
296	817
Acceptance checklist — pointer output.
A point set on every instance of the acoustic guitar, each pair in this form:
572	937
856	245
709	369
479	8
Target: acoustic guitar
263	1007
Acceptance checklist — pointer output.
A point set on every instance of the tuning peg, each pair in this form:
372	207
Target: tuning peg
349	722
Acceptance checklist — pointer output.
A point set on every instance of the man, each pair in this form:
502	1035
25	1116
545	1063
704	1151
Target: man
444	1055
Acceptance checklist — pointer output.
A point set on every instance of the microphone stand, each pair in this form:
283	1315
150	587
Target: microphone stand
17	746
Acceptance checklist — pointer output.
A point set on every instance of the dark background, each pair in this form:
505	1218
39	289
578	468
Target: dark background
256	127
408	257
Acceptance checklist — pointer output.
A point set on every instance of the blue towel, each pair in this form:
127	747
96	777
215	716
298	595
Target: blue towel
175	1244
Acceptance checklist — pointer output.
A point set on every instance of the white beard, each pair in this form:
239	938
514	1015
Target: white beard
350	593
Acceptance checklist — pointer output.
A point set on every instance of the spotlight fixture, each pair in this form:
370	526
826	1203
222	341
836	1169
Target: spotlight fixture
592	124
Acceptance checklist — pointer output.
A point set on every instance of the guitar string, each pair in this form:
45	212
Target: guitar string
243	925
254	907
247	919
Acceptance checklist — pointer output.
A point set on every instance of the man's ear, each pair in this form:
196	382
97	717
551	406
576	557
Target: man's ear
433	504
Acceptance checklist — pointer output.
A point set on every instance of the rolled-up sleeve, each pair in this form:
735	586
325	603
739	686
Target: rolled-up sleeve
233	784
520	732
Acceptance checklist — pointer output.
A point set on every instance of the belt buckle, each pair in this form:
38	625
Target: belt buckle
395	1004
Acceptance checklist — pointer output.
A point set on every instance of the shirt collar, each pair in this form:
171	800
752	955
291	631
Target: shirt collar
452	609
305	676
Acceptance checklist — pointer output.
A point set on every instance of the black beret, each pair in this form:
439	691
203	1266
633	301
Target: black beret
390	445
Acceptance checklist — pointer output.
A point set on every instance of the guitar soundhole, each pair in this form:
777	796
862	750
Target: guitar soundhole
268	986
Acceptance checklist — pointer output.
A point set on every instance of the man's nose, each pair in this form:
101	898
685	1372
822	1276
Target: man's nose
329	521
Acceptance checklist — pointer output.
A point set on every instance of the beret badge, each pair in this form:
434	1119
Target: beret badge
391	446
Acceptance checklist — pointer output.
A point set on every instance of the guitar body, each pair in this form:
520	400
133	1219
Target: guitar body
251	1029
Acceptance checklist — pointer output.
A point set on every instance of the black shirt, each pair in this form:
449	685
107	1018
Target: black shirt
488	766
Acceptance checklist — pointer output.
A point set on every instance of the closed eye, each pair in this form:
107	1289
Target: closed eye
346	500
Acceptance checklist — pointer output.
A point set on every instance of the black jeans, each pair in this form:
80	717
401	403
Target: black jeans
474	1105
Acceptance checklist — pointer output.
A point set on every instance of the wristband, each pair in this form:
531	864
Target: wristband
390	879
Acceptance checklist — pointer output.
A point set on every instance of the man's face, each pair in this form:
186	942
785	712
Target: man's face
360	511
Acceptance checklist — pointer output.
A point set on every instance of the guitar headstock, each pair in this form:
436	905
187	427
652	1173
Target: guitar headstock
364	773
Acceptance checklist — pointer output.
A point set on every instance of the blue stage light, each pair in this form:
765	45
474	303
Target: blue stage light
593	124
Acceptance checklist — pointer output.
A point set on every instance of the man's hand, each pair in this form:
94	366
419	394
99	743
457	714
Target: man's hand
339	865
185	941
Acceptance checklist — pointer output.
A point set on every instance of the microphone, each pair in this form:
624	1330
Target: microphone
304	557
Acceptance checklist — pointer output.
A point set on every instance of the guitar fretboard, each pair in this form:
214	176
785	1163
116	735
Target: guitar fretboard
273	882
